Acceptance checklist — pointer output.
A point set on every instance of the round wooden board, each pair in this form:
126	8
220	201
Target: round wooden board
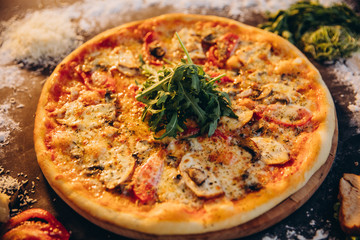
266	220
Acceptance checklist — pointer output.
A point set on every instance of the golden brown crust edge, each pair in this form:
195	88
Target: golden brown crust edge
117	221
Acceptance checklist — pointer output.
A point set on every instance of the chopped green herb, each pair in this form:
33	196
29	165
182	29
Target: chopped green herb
174	95
327	33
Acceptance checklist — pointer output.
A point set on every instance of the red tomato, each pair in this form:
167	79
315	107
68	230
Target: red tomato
224	48
148	176
23	226
224	79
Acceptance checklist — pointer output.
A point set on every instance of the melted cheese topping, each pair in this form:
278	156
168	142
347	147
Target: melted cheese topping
81	117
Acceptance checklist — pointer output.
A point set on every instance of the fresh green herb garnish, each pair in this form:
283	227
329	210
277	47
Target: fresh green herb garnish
327	33
174	95
329	43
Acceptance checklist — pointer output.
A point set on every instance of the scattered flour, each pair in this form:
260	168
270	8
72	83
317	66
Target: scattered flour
348	72
270	238
320	235
292	233
312	223
7	125
10	76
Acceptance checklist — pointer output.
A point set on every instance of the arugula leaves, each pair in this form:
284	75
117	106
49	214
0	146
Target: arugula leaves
174	95
327	33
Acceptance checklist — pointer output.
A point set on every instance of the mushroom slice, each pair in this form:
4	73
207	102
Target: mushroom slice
280	97
272	152
198	178
250	146
116	168
244	116
265	92
246	93
279	92
130	72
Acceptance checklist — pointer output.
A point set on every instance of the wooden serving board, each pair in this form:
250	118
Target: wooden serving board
266	220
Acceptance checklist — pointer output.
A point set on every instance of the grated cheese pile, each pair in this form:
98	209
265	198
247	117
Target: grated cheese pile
8	184
40	39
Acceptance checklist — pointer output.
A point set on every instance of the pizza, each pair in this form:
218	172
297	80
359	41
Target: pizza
108	145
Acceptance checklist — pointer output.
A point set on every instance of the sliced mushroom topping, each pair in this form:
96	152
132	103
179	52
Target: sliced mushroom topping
114	178
93	170
265	92
280	98
208	41
115	168
249	145
199	178
157	51
244	116
277	92
253	187
246	93
272	152
197	175
172	161
130	72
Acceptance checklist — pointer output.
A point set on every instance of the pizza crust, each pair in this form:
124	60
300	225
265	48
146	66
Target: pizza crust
165	218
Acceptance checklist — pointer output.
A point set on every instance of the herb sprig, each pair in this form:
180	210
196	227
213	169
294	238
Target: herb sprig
327	33
174	95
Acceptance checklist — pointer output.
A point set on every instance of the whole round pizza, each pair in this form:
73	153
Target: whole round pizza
182	124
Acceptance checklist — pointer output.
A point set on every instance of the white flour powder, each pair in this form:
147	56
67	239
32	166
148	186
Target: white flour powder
7	125
348	73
